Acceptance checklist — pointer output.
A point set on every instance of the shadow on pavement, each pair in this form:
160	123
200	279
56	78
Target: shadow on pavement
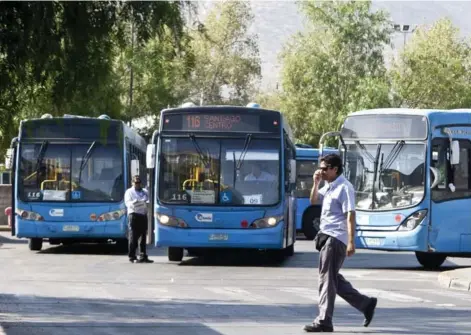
119	316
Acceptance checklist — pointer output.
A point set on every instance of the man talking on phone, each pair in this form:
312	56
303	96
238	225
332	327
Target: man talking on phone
335	241
136	199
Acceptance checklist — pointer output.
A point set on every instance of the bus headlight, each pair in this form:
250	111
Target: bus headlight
171	221
112	216
413	220
27	215
268	222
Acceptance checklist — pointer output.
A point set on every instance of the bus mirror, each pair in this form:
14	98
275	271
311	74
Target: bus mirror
135	167
9	159
292	175
150	156
455	153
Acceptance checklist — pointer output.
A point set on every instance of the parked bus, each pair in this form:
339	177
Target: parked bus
69	178
411	172
307	215
224	179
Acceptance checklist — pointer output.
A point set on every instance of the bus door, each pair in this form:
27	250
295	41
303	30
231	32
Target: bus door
10	164
289	190
450	196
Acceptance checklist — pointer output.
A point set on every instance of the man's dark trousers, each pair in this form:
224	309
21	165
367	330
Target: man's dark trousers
137	234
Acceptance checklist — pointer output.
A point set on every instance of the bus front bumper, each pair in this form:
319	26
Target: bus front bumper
266	238
413	240
87	229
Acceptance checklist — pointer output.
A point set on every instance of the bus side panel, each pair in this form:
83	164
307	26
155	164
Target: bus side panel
451	226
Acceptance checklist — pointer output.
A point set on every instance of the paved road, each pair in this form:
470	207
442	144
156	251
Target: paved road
91	289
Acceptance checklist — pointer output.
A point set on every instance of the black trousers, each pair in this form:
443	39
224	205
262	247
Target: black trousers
137	235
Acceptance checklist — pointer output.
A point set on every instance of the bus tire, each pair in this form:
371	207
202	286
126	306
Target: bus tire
430	260
35	244
311	222
122	244
175	254
289	251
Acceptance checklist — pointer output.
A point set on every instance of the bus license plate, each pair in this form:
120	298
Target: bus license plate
373	241
218	237
70	228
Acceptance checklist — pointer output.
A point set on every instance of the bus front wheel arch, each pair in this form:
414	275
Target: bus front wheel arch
311	222
430	260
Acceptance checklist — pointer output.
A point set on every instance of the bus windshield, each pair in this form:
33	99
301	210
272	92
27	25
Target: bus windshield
386	176
89	172
232	172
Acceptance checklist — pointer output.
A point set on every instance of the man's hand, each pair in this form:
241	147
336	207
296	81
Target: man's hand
317	177
350	249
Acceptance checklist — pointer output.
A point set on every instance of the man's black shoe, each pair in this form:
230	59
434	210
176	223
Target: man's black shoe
132	260
145	260
317	328
370	312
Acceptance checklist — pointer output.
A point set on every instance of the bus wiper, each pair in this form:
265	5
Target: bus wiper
85	159
248	140
392	155
375	172
42	151
365	152
39	160
199	151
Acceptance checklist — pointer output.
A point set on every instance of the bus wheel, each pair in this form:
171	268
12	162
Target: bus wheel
122	244
289	251
311	222
430	260
35	244
175	254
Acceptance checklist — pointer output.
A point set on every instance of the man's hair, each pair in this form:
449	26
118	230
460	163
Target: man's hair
333	160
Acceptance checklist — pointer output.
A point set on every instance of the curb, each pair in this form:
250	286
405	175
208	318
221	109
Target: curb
449	279
5	228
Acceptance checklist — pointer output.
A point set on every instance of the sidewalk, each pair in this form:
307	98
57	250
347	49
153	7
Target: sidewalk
459	279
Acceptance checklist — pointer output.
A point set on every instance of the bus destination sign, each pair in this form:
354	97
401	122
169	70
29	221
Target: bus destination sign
220	122
229	122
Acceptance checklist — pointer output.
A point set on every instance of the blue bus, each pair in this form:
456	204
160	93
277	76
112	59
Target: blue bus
224	177
69	175
411	172
307	215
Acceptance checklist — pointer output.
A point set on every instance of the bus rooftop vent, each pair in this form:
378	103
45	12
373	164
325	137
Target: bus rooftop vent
46	116
253	105
104	116
188	104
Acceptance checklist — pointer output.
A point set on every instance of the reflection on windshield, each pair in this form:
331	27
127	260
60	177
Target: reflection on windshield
396	181
233	172
66	173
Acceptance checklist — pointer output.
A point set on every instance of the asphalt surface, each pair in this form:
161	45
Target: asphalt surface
93	289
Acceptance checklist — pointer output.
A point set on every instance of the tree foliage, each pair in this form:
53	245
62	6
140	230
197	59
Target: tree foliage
226	56
434	70
63	57
334	67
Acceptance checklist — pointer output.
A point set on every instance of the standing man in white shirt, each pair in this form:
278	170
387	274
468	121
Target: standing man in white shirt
136	199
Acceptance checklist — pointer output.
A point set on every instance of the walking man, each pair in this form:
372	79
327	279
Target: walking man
335	241
136	199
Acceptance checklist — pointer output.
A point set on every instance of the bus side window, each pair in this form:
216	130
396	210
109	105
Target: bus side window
457	174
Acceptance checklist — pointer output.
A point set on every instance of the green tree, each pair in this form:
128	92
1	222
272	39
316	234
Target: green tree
434	70
226	56
334	67
59	57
